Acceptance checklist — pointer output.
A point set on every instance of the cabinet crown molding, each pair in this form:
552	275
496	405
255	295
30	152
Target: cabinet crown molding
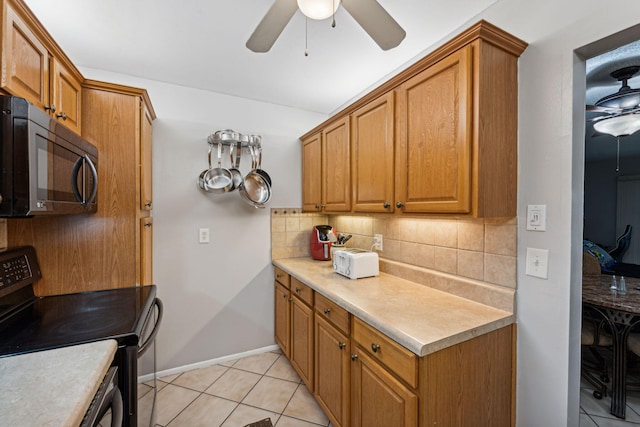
482	30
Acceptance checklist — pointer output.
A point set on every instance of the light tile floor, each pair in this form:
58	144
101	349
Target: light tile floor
595	413
234	394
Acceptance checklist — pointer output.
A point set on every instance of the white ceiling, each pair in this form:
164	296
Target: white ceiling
201	44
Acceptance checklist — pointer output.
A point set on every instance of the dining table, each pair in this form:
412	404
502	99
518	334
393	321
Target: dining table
621	313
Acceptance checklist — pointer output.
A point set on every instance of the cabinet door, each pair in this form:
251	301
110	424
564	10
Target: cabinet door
372	148
434	130
312	173
282	323
146	251
332	372
66	96
146	199
336	167
302	340
378	399
25	61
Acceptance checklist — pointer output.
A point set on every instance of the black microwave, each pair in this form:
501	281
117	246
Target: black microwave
46	168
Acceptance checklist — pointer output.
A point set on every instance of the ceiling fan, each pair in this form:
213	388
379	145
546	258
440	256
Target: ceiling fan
371	16
621	107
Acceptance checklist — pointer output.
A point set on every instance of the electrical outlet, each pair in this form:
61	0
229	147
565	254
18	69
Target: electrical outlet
377	242
203	235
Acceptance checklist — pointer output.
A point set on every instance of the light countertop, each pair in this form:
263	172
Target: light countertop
422	319
54	387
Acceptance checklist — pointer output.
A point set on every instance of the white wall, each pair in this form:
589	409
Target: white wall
219	296
551	139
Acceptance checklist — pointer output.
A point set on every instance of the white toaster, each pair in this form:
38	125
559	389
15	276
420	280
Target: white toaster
355	263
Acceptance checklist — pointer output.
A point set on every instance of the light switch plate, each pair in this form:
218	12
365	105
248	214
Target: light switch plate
203	235
537	263
537	217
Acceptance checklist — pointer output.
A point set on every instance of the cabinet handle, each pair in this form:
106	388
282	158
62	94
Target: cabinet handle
327	311
375	347
386	205
341	345
298	290
317	206
399	205
147	224
354	357
290	299
62	116
51	108
147	205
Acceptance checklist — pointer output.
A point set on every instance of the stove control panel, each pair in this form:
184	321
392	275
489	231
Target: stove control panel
18	267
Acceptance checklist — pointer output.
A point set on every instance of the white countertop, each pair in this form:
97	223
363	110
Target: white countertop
422	319
54	387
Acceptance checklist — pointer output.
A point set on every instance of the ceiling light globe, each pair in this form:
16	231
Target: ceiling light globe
318	9
619	125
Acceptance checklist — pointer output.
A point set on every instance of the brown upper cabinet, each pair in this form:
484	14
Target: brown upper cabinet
372	164
326	169
34	68
441	136
434	122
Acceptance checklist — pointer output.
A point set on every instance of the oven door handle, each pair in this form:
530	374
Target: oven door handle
145	346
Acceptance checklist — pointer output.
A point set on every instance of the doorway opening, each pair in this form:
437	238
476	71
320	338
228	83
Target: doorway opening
611	187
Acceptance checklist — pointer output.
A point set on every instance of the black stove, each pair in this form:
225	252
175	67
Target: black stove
62	320
28	323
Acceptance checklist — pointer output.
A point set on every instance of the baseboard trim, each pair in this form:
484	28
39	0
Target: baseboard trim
205	363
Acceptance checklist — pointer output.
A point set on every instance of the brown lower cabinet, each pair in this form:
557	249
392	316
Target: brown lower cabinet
378	399
282	318
332	367
362	378
302	340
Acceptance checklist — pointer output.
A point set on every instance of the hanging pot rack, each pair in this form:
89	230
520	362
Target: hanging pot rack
255	186
231	137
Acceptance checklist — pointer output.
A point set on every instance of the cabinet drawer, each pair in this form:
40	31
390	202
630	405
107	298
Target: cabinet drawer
388	352
302	291
332	312
281	277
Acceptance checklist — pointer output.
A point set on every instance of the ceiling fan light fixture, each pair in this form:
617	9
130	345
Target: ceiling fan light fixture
318	9
619	125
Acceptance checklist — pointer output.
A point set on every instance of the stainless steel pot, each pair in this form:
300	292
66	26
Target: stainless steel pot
218	179
236	175
201	179
255	189
258	147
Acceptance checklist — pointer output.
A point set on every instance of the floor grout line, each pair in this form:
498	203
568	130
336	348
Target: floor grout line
278	415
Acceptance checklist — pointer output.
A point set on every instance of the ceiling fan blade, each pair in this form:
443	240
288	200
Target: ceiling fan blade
599	109
597	119
375	20
269	29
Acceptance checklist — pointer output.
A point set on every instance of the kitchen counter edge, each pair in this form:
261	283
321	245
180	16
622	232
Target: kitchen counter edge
479	318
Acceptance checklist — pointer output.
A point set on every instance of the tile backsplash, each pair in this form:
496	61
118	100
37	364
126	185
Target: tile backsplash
477	249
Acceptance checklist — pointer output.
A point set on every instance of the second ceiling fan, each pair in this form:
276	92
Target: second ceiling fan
371	16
